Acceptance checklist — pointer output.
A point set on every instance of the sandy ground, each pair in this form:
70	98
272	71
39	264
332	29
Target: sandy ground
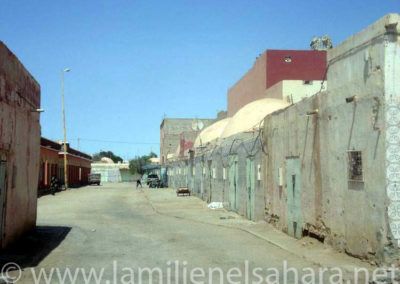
118	230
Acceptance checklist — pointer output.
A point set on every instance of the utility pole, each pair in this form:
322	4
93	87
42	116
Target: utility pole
65	135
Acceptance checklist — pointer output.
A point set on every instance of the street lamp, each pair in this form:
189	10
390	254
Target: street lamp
65	135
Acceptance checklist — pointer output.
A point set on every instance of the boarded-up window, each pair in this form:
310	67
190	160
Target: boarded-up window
355	166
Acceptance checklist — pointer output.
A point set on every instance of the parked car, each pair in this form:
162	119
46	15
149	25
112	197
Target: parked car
152	178
94	179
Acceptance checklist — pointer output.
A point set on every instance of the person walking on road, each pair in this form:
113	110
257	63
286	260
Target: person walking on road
138	182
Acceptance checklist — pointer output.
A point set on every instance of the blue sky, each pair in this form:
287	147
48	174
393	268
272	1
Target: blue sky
135	61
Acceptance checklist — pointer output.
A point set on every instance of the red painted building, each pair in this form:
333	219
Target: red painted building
52	165
186	142
272	67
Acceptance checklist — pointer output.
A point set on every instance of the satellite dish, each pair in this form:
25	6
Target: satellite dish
194	125
200	125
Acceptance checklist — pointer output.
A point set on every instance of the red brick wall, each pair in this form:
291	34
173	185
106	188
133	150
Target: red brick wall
271	68
249	88
304	65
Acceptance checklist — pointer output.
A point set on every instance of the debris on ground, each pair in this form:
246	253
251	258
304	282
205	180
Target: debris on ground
215	205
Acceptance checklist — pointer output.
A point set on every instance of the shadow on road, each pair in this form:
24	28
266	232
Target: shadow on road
34	247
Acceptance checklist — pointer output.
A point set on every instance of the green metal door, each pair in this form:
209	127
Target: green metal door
233	183
250	187
3	192
191	177
293	190
202	180
209	174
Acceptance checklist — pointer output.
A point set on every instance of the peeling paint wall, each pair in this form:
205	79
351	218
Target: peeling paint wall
19	145
349	214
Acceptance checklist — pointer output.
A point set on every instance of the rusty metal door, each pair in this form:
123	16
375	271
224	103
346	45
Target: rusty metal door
3	192
294	197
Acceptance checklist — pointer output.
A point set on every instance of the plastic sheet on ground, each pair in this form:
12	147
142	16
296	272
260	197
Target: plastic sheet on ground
215	205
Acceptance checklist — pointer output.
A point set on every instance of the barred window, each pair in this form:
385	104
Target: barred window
355	166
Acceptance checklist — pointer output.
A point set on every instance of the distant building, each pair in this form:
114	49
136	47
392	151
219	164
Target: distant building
52	165
19	148
274	66
112	172
171	130
222	114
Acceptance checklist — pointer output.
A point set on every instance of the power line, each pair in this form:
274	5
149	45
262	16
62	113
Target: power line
118	142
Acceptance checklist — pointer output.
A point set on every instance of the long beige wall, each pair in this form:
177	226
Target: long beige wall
352	216
349	216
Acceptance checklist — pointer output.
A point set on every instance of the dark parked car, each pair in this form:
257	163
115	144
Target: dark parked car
94	179
152	178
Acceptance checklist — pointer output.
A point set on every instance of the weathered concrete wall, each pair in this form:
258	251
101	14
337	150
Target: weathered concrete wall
19	146
330	163
350	215
209	177
332	207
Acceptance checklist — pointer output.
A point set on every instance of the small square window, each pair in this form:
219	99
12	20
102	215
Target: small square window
355	166
288	59
307	82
